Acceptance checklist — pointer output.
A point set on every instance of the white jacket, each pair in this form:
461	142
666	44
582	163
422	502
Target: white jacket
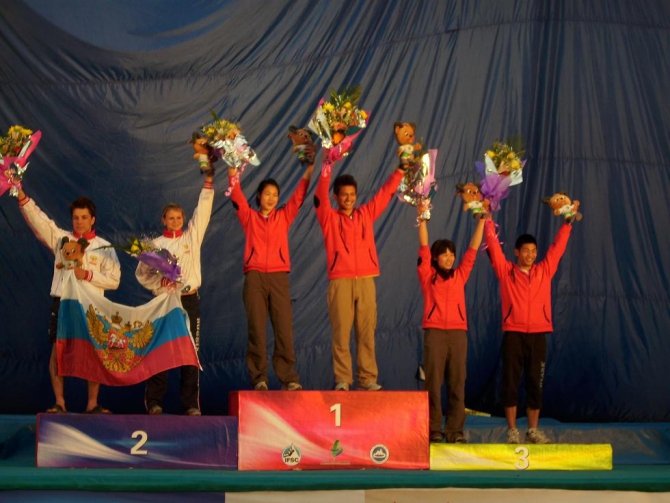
103	265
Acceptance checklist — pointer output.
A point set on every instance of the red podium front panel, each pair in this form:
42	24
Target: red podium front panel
321	430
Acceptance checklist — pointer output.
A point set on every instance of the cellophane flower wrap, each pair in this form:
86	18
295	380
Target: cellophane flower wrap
418	185
337	122
502	168
231	145
157	259
15	148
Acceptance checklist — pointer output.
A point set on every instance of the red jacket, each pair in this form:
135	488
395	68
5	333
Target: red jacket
351	251
266	247
526	297
444	299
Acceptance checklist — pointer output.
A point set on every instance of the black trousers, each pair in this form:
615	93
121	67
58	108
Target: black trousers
523	353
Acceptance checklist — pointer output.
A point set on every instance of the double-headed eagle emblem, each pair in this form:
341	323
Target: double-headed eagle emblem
116	343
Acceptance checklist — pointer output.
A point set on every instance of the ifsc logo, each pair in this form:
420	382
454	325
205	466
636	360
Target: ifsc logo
379	454
291	455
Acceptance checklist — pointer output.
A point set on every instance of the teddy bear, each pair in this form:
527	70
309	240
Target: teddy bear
72	253
473	199
204	154
563	206
404	135
303	144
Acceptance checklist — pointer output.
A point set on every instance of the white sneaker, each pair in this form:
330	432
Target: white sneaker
342	386
261	386
373	386
292	386
535	436
513	436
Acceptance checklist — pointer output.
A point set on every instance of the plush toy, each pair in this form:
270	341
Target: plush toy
303	144
204	154
563	206
473	199
404	135
72	253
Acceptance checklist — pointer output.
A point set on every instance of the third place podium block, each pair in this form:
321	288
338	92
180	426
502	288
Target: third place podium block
321	430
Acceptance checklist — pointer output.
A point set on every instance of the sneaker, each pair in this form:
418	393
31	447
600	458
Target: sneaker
156	410
261	386
535	436
193	412
436	437
373	386
342	386
460	439
513	436
292	386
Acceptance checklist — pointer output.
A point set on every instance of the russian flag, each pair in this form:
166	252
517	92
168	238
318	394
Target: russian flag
119	345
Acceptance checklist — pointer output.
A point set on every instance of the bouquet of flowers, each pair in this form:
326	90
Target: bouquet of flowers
227	138
501	169
159	260
418	186
338	121
15	148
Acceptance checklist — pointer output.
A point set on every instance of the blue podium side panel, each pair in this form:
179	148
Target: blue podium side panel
136	441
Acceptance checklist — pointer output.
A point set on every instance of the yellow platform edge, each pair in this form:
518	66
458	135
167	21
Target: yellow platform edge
520	457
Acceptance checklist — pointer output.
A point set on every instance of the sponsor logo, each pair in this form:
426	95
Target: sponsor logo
291	455
336	449
379	454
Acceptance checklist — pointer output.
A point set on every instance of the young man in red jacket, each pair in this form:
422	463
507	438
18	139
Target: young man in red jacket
525	291
352	262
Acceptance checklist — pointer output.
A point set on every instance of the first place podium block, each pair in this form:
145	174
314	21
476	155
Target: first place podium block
325	430
134	441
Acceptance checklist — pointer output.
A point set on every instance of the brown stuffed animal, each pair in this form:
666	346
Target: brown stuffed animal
473	199
405	134
563	206
204	154
72	253
303	144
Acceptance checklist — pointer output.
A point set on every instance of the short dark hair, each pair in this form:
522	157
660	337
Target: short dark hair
344	181
261	188
525	239
441	246
83	203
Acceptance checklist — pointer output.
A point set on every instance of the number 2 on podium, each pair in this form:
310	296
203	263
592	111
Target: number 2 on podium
137	448
337	409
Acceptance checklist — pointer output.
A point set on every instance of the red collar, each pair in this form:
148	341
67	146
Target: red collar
172	234
88	236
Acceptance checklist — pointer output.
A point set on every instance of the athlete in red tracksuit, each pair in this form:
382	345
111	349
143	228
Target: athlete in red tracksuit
266	283
352	262
525	290
445	347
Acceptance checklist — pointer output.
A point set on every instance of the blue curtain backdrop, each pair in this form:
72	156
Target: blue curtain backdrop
118	86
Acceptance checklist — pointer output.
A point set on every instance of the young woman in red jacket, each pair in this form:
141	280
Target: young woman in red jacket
266	283
445	344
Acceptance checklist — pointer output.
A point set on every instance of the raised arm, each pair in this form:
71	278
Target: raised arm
423	226
297	198
477	236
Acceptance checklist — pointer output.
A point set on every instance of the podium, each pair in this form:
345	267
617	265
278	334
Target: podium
325	430
136	441
520	457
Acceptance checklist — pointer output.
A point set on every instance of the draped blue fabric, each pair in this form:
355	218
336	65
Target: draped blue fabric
117	87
